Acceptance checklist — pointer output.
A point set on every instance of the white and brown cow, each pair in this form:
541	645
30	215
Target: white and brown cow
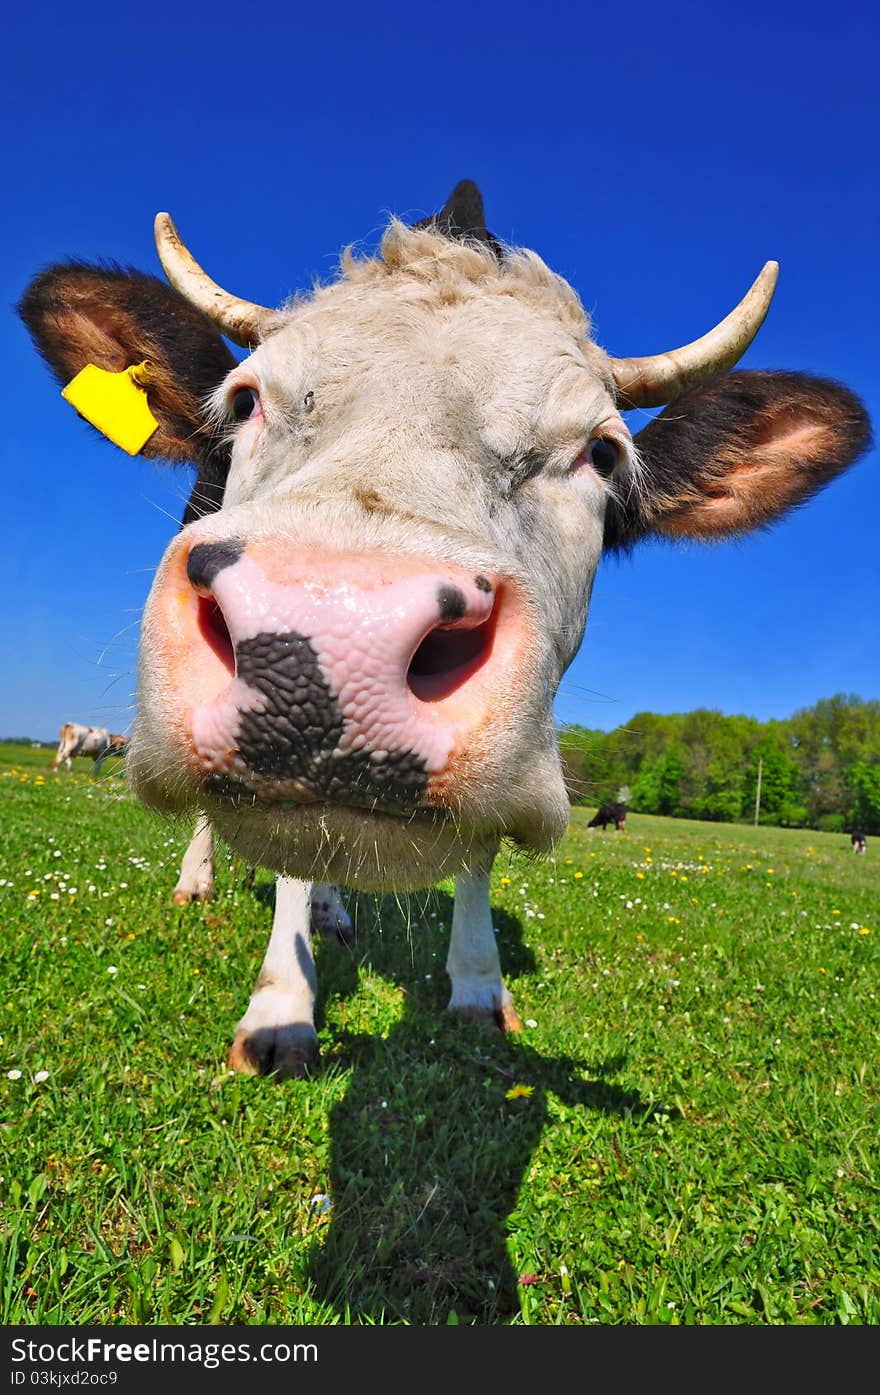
350	652
79	740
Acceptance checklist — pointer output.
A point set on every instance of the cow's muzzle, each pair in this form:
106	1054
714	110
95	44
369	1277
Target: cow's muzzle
335	678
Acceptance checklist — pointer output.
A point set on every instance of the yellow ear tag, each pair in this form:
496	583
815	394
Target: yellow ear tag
115	403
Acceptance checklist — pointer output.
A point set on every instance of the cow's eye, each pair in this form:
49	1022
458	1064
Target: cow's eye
605	454
243	403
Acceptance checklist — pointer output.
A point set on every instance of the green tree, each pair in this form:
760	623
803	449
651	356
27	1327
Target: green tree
820	767
863	780
669	783
780	783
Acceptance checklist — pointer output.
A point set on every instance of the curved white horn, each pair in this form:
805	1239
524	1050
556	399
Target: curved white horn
240	320
657	379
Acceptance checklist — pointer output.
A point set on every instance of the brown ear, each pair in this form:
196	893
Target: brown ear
113	318
738	452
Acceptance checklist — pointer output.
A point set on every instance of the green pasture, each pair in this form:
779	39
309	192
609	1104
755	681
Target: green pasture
685	1132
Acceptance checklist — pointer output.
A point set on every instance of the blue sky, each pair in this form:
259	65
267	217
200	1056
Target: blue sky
655	156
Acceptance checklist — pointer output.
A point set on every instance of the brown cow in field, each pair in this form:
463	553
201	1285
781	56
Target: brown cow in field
97	742
350	652
609	814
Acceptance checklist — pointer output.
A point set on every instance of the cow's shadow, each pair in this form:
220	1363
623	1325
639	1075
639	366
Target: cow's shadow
429	1147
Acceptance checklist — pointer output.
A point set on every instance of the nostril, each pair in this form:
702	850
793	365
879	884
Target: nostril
447	658
213	628
206	561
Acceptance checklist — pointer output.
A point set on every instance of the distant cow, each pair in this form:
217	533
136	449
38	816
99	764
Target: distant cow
350	652
97	742
859	842
609	813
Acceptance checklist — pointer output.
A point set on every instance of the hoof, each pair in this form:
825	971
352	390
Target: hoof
288	1053
500	1019
508	1019
182	896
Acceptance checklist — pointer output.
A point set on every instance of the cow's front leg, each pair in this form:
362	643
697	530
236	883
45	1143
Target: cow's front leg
277	1033
196	879
478	991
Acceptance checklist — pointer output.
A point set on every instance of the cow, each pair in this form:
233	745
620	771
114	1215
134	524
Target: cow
349	654
609	814
859	842
97	742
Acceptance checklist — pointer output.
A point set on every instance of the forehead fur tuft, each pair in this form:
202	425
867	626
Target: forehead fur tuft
446	271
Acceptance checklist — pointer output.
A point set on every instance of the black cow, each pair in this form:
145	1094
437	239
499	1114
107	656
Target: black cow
859	842
609	813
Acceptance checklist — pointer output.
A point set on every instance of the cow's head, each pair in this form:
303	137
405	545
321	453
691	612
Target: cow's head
350	652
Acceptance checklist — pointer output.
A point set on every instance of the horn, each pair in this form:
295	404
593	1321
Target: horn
657	379
240	320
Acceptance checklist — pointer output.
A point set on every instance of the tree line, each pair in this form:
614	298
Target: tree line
819	768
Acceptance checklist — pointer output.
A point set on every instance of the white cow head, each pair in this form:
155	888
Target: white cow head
350	652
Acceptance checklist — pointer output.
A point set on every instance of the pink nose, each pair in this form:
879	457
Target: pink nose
340	686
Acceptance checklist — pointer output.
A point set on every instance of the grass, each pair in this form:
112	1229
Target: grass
686	1132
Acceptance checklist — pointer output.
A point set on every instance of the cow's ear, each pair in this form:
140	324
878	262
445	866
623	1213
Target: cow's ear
114	318
462	218
736	453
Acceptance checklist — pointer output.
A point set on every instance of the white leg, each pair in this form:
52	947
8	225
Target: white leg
277	1033
62	754
473	966
195	881
329	916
